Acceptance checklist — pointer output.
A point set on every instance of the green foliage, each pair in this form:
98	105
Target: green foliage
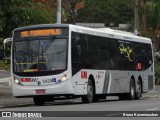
3	65
17	13
100	11
157	73
154	14
1	44
106	11
41	14
150	9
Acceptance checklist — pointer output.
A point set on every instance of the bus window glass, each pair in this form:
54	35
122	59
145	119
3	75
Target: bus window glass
40	55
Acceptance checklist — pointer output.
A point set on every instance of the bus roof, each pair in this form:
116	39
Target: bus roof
105	32
41	26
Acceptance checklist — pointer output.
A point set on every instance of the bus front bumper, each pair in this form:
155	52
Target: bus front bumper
64	88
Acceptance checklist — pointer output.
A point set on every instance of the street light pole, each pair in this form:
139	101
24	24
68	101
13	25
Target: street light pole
136	18
58	11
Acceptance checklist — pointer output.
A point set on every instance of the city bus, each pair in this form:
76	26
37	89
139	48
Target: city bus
64	60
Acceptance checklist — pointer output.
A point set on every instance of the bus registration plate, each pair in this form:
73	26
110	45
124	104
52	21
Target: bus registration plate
40	91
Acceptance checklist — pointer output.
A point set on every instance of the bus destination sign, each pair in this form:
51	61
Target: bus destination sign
40	32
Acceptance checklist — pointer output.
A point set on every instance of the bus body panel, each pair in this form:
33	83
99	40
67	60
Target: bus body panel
119	79
57	89
106	81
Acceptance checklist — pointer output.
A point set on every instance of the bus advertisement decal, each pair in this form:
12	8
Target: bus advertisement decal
25	79
83	74
139	66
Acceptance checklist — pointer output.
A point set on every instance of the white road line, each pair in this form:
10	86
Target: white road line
153	109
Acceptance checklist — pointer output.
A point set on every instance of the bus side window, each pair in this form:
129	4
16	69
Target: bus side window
76	52
113	53
76	48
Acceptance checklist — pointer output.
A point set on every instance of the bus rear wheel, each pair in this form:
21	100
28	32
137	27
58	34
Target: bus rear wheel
139	90
89	97
38	100
132	90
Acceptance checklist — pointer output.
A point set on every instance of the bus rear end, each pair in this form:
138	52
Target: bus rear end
40	65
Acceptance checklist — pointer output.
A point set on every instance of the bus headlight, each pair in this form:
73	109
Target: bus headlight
63	78
16	80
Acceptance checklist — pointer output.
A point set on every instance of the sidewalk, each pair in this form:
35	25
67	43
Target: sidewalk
4	80
157	87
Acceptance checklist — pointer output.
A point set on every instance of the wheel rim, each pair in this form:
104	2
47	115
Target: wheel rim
132	92
90	92
139	89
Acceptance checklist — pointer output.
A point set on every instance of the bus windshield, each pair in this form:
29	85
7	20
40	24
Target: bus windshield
40	55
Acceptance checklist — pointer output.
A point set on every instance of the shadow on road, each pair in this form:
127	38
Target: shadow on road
66	103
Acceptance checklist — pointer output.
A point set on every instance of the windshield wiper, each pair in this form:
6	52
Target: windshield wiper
59	52
48	44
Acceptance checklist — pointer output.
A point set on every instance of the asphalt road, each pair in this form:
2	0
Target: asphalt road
149	102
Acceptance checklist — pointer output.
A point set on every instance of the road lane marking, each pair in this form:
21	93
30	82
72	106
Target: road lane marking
153	109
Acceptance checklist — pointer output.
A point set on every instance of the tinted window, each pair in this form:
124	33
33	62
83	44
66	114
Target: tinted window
95	52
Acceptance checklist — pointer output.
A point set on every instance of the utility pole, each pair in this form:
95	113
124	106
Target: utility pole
136	18
58	11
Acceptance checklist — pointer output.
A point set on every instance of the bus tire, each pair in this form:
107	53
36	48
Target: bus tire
132	90
139	90
38	100
89	97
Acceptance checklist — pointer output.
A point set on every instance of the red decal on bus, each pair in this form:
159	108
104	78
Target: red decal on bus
139	66
83	74
25	79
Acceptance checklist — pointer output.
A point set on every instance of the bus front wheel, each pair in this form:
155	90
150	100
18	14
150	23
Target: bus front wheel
89	97
139	90
38	100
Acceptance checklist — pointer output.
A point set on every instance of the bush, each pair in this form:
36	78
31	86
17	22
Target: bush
157	73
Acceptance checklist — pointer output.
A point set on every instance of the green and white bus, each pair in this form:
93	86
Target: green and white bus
52	60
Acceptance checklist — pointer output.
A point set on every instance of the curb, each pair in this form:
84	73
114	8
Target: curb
4	80
4	71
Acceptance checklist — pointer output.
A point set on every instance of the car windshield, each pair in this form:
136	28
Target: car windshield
37	55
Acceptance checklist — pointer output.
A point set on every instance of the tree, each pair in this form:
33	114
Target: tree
154	23
17	13
94	11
